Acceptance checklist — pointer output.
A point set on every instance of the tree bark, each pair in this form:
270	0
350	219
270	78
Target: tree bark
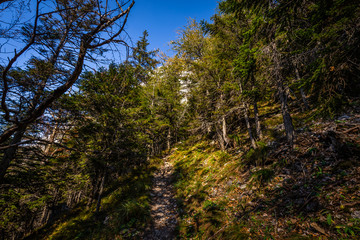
221	131
289	128
169	139
224	131
248	126
303	96
220	139
51	139
10	153
246	116
257	121
101	189
45	215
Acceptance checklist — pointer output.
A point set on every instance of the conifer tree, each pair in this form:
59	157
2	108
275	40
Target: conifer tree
142	59
59	41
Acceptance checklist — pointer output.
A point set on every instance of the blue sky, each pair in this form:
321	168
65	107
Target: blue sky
163	18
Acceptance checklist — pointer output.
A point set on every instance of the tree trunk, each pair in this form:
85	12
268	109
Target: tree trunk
95	189
248	126
246	115
45	215
257	121
101	189
51	140
10	153
152	148
70	199
289	128
303	96
224	131
169	139
220	138
78	197
221	132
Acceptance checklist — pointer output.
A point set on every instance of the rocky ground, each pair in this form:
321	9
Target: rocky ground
163	205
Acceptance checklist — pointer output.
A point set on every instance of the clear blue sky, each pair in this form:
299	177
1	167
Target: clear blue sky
163	18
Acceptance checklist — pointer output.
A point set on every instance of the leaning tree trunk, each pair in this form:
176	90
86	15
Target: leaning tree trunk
289	128
45	215
101	189
10	153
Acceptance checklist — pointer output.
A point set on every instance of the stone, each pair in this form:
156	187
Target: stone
355	214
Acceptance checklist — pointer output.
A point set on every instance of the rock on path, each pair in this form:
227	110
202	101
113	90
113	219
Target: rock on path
163	206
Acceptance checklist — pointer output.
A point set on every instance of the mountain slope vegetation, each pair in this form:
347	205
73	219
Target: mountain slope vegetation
258	112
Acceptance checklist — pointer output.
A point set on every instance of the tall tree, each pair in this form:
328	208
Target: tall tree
166	94
142	59
258	30
106	133
61	38
207	62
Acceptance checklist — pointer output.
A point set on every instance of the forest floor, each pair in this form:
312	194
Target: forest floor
310	191
163	205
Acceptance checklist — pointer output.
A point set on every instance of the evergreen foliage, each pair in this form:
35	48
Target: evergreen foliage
236	89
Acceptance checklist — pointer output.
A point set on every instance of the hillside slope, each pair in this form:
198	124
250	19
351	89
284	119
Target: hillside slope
310	190
124	213
273	192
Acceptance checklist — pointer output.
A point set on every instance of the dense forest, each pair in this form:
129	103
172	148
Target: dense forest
256	117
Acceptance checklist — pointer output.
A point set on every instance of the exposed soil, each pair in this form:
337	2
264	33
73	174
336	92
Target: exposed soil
163	205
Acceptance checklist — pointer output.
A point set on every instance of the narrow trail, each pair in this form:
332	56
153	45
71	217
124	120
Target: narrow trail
163	205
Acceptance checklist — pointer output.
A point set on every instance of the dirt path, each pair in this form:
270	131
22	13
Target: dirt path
163	206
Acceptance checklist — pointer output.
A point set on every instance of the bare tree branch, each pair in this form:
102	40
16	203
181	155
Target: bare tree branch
12	61
61	41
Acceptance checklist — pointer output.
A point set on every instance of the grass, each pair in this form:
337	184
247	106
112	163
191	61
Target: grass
125	212
244	195
199	171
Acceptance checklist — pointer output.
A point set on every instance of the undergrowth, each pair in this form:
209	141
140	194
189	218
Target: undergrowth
272	192
124	213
